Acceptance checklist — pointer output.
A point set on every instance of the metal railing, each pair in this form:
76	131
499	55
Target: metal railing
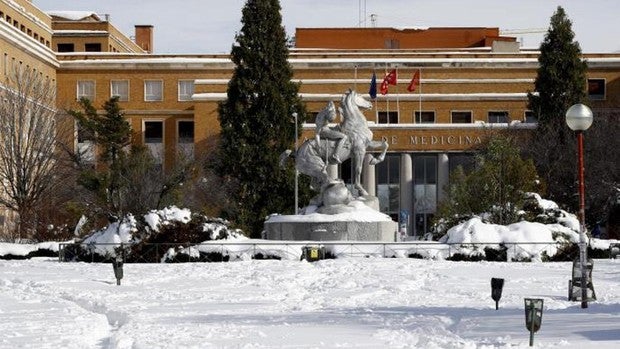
222	251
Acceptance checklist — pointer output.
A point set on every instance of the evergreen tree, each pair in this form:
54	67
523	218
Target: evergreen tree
561	77
127	179
560	83
111	133
256	122
494	188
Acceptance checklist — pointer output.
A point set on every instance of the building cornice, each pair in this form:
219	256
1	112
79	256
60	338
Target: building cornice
147	62
34	18
27	44
392	97
366	81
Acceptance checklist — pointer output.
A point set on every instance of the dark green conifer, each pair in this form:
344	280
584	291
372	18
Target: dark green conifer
561	78
560	83
256	118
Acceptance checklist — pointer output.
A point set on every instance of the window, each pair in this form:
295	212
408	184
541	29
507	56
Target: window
86	89
425	193
186	132
596	89
153	90
185	139
311	117
388	185
64	47
120	88
461	117
92	47
153	132
529	117
424	117
186	90
86	145
154	139
388	117
466	161
498	117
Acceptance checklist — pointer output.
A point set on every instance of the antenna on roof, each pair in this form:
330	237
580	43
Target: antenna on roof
361	14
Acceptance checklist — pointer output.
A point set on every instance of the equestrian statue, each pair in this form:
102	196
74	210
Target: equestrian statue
351	139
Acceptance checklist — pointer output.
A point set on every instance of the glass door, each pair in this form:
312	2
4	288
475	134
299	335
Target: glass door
425	193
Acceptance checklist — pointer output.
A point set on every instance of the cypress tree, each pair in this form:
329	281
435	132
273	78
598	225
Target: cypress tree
561	77
560	83
256	119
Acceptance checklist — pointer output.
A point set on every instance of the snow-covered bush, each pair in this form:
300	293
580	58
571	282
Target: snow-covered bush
147	238
545	233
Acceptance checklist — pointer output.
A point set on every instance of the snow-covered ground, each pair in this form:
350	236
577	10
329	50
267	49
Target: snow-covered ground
342	303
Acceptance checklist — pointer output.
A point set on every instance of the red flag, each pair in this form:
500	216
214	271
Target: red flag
389	79
415	81
384	87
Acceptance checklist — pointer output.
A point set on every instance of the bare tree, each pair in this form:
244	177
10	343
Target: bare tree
27	141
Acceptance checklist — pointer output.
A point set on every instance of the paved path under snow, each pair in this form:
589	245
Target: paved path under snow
360	303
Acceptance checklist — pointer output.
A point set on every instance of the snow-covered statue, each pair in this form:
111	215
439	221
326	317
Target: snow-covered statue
334	144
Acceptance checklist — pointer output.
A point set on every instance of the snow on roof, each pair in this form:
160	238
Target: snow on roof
73	15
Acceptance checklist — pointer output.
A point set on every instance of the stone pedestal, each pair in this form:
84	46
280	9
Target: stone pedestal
330	231
356	221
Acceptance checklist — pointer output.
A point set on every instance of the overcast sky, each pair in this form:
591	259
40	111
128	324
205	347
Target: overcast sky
209	26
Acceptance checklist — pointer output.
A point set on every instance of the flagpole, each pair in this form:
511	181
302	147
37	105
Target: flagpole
397	98
420	92
387	100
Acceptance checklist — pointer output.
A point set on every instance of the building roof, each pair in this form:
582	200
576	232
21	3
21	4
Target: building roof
74	16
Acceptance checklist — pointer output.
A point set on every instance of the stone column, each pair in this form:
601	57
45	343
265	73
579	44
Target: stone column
368	176
406	188
443	176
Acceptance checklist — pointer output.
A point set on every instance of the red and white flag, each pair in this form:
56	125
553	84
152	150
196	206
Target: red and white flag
415	81
390	78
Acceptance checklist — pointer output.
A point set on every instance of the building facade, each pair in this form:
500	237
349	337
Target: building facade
464	90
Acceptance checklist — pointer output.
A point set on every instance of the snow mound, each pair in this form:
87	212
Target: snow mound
156	218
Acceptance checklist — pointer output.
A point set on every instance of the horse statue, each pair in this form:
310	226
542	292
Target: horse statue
315	154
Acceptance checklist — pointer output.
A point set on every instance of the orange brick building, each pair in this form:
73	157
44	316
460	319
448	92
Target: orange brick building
471	82
392	38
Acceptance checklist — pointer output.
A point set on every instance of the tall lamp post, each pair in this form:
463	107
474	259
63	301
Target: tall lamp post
579	118
296	172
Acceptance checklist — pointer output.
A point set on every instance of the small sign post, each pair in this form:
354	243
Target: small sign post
497	285
533	316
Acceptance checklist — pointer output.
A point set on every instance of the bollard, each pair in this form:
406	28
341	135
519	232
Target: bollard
497	285
117	265
313	253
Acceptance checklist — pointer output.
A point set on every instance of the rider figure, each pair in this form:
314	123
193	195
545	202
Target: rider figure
323	119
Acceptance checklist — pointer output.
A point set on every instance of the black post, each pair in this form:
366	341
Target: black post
497	285
532	310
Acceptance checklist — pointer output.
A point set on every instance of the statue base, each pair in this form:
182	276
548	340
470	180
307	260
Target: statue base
355	221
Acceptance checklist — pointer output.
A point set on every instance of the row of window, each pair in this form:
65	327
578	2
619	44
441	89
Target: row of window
153	139
456	117
24	29
12	64
88	47
153	132
153	90
70	47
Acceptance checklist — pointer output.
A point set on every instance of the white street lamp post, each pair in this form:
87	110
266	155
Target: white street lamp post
296	172
579	118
